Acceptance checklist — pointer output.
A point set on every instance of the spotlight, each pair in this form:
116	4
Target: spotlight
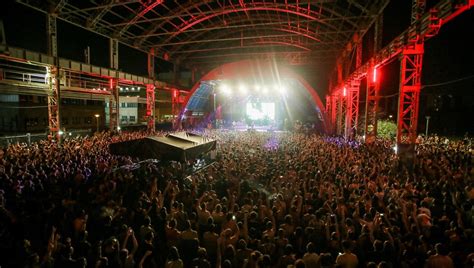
395	149
265	90
281	89
60	132
225	89
243	89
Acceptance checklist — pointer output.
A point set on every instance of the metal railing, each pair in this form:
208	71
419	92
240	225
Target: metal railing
29	138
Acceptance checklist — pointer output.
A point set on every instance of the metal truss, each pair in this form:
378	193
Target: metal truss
410	85
114	104
352	113
371	106
175	107
334	109
341	113
150	107
53	102
175	27
409	45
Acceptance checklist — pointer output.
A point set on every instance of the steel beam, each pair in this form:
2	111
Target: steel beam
52	35
352	110
141	14
114	53
54	95
114	104
334	114
150	93
371	106
341	113
151	64
3	39
150	107
410	85
54	99
175	108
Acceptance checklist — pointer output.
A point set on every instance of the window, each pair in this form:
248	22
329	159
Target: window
124	118
122	104
132	118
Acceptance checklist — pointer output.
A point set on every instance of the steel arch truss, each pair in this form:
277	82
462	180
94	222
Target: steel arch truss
146	23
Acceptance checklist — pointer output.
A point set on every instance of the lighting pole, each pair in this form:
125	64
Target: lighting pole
97	122
427	124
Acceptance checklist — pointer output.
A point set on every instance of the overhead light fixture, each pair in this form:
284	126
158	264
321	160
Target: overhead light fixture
243	89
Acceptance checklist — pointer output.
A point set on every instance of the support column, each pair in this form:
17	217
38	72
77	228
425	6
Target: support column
54	97
373	88
114	105
352	112
328	105
150	107
150	93
334	108
175	109
411	62
176	74
371	105
359	55
3	39
409	96
114	53
54	102
193	74
341	113
114	101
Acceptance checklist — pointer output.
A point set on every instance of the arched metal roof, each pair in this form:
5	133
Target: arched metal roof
203	32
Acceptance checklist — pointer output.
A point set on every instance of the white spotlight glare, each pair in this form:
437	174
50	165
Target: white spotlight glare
265	90
395	149
225	89
281	89
243	89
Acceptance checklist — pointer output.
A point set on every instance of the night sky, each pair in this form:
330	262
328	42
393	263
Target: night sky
448	56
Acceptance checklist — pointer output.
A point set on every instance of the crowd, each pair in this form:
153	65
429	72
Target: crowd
269	200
